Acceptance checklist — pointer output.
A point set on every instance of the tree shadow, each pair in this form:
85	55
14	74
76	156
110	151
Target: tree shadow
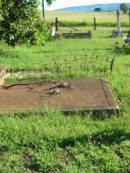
106	137
95	114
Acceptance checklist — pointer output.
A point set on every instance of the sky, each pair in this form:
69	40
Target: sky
67	3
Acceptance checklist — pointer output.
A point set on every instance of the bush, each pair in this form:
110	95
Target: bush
125	48
21	23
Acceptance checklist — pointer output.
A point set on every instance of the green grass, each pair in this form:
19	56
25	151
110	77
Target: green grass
86	19
51	142
74	58
36	57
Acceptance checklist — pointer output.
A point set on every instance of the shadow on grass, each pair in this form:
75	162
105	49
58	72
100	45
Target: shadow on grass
95	114
106	137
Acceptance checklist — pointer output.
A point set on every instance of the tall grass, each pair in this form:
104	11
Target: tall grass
50	142
86	19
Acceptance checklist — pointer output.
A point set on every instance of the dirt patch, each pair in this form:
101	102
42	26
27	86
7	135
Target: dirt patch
81	95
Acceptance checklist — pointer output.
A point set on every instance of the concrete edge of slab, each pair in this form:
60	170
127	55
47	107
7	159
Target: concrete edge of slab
111	106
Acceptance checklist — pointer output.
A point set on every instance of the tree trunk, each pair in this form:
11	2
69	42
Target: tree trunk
43	9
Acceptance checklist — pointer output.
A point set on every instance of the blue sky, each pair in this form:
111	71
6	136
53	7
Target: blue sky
67	3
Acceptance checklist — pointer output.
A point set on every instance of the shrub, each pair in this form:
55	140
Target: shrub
21	23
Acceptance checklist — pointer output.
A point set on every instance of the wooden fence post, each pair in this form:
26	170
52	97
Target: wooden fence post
95	24
56	23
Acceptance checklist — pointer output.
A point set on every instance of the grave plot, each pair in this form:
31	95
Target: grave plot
74	33
68	96
117	32
77	35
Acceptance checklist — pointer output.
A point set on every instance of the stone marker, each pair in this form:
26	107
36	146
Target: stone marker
117	33
129	19
2	76
128	36
53	31
118	24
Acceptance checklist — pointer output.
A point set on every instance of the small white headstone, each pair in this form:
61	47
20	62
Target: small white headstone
2	76
53	33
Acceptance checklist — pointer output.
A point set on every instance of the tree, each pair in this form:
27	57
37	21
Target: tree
124	7
97	10
20	22
49	2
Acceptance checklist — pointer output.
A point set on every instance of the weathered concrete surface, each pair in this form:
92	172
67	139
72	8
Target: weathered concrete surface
77	35
82	95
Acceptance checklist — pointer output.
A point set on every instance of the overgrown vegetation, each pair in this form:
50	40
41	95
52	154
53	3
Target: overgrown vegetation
20	22
122	48
51	142
77	58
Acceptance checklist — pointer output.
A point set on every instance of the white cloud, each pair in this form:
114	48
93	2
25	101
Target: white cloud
67	3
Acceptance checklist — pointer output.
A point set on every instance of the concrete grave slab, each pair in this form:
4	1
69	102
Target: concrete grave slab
77	35
92	94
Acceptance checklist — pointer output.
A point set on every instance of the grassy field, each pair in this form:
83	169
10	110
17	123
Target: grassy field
50	142
86	19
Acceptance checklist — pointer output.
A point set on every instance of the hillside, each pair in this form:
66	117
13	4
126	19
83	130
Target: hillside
90	8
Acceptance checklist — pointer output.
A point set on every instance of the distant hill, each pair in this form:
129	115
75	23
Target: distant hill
91	8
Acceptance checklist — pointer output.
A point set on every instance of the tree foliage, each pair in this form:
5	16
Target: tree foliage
97	10
124	7
20	22
49	1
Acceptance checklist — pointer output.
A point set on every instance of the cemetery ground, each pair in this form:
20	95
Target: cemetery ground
52	142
